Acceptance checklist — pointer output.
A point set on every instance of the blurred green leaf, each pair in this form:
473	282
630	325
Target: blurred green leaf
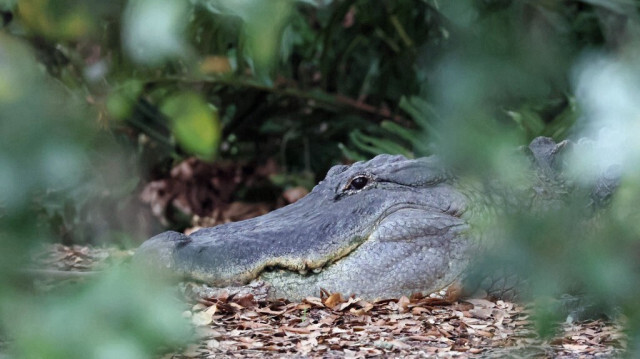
59	19
400	131
528	120
421	112
195	124
264	23
7	4
153	30
121	101
376	146
120	315
352	155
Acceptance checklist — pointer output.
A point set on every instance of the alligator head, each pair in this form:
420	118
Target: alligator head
386	227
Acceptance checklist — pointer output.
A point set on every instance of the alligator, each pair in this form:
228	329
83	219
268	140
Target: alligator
383	228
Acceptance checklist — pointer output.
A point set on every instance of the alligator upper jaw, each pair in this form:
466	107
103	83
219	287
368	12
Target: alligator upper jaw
299	237
236	253
221	263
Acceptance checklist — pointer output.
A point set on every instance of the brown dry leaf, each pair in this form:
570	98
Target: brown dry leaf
213	344
303	306
422	338
273	312
207	332
348	304
337	330
333	300
315	301
366	306
400	345
198	306
206	190
574	347
328	319
483	303
481	313
359	311
454	292
403	304
201	318
419	310
351	354
463	306
212	310
296	330
499	316
238	211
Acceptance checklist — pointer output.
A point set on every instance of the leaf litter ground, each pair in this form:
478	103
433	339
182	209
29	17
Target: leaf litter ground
232	323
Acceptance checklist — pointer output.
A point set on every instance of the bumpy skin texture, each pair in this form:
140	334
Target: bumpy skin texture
405	230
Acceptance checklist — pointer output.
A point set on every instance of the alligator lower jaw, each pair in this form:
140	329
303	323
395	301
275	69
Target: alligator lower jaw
297	266
280	283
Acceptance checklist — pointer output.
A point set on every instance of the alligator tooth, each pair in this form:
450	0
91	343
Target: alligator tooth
302	271
317	270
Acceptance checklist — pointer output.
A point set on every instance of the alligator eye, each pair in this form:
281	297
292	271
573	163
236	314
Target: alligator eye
358	183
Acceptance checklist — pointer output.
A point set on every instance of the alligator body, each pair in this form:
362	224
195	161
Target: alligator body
387	227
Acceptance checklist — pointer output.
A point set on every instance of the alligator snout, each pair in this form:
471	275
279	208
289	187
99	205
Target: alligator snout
159	252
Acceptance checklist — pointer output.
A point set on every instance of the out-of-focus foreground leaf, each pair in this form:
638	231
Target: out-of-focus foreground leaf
119	315
153	30
46	148
195	124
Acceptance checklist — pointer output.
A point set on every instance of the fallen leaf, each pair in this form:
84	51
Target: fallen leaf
201	318
315	301
480	313
333	300
403	304
480	302
296	330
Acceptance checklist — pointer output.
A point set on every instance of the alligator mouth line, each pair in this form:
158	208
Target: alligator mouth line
309	268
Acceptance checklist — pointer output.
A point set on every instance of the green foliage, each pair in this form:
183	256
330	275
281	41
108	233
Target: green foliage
52	172
120	315
194	124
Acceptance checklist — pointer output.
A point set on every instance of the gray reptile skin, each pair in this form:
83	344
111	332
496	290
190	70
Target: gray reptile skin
407	230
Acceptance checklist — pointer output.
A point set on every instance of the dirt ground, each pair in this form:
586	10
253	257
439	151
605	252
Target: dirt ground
241	324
